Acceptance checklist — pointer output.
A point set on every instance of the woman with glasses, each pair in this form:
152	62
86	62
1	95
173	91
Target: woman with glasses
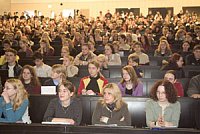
163	109
14	102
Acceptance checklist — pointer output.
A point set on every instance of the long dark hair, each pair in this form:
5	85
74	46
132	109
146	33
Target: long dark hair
34	79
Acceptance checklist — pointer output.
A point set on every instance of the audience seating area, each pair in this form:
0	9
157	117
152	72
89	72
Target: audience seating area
115	75
147	83
115	71
136	107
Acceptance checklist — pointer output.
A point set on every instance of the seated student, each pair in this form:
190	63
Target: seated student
24	48
112	57
66	108
143	58
45	48
122	42
133	61
115	45
6	44
163	49
70	68
30	80
185	50
13	67
130	84
41	69
101	59
194	59
58	74
66	42
111	109
92	47
64	51
92	84
171	76
14	102
163	109
175	62
85	56
194	87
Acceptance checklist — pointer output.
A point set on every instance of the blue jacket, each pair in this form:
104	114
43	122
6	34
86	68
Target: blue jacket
9	115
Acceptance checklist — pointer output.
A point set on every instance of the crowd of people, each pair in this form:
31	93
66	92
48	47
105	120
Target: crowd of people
98	43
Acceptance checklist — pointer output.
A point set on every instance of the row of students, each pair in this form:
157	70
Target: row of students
89	85
162	109
175	62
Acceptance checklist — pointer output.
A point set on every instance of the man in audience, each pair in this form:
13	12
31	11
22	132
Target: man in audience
194	59
42	70
13	67
85	56
194	87
143	58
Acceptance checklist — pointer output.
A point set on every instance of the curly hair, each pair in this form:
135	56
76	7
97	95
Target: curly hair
170	91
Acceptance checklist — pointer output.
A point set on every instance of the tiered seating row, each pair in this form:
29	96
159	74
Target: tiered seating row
136	107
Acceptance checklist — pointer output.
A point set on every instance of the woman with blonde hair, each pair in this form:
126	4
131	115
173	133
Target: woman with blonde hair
64	51
111	109
45	48
14	102
45	36
163	49
71	69
58	75
101	59
66	42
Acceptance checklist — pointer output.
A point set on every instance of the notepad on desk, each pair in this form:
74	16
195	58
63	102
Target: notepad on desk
50	90
160	128
106	125
61	123
110	125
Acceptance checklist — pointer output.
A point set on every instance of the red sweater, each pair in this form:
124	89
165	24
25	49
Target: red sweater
179	89
86	80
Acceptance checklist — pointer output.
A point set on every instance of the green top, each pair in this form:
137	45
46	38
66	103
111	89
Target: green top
171	112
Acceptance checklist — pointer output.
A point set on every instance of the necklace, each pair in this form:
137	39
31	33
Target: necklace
64	109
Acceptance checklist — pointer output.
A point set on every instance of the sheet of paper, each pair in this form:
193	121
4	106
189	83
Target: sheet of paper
62	123
48	90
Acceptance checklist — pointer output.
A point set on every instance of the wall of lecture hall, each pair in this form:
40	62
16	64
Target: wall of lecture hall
5	6
93	6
